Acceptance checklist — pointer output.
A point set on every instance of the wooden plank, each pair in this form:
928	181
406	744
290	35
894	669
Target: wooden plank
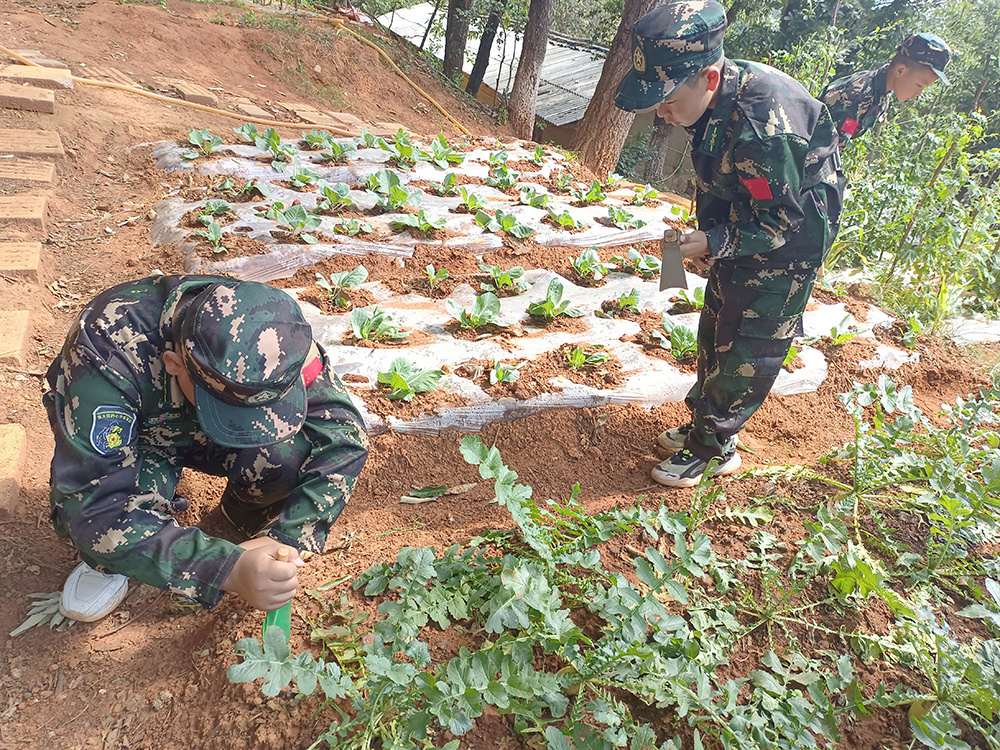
27	98
21	259
39	58
33	75
24	170
29	208
31	142
192	92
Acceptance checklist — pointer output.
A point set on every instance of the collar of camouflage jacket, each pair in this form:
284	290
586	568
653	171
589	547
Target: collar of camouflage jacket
715	130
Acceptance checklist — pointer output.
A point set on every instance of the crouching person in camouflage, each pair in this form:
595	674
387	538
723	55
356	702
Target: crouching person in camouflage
769	198
205	372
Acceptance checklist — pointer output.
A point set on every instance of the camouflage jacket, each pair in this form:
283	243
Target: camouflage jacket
856	102
105	500
766	145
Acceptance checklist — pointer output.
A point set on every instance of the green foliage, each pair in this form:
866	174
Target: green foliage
374	324
316	139
447	186
588	266
503	281
212	233
389	194
624	219
204	141
644	194
351	227
435	275
421	220
629	301
484	311
337	151
271	142
44	609
216	207
296	219
404	153
503	222
564	219
442	155
537	156
473	202
405	380
563	179
502	178
677	339
302	177
497	158
639	264
529	196
554	306
367	140
228	187
341	281
593	194
247	132
502	373
579	357
695	300
335	197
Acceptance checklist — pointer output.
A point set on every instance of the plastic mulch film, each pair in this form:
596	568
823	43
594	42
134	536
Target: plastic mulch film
243	161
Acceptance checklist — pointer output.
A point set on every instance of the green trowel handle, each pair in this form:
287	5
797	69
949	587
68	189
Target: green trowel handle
280	617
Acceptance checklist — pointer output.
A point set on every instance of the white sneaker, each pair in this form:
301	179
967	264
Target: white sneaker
673	439
88	595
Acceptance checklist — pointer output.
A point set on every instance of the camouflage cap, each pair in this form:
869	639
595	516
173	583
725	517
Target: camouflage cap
930	50
669	44
244	344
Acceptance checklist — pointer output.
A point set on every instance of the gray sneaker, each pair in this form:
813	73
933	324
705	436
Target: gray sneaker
684	469
89	595
673	439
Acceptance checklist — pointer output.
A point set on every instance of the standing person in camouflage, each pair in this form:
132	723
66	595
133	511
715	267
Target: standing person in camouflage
205	372
856	102
769	196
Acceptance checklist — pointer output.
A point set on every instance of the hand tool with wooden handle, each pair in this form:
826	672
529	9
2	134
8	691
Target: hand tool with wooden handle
672	275
281	617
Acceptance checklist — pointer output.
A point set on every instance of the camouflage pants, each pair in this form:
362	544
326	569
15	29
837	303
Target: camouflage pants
746	328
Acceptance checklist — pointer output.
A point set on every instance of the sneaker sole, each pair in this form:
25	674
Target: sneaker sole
672	480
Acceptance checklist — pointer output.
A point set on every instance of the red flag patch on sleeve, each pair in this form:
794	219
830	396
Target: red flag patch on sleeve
758	187
849	126
311	371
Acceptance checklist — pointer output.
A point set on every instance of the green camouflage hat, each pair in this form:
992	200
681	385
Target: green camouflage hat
669	44
244	344
930	50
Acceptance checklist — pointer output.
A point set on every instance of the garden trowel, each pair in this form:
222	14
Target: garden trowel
672	275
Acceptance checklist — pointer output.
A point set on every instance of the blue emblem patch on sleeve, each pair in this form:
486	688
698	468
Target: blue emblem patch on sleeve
113	428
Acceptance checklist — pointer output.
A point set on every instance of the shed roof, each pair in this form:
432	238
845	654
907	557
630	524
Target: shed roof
569	74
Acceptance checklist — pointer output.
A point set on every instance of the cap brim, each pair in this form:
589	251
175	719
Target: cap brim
251	426
634	93
942	76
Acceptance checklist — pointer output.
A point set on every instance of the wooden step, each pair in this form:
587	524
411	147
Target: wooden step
27	98
31	143
24	208
21	259
33	75
25	170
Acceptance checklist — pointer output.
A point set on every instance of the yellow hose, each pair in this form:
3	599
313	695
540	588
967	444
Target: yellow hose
178	102
341	23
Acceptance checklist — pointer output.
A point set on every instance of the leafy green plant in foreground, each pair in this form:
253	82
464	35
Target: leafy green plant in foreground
374	324
339	282
434	276
484	311
421	221
564	220
640	264
503	222
204	141
593	194
442	155
447	186
623	219
503	281
580	358
352	227
677	339
389	193
297	219
588	266
501	373
213	233
554	306
405	380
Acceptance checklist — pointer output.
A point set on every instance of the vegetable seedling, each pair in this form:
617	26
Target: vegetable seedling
502	373
389	194
629	302
695	300
529	196
639	264
339	282
302	176
564	220
337	151
405	154
538	155
473	202
204	141
554	306
247	132
316	139
579	358
679	340
367	140
502	178
335	197
447	186
501	281
442	154
216	207
421	220
503	222
213	233
563	178
644	194
405	379
296	219
434	276
270	141
351	227
593	194
624	219
374	324
588	266
484	311
498	158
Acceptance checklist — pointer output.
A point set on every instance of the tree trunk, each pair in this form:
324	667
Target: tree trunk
455	37
659	140
430	23
485	47
521	108
604	127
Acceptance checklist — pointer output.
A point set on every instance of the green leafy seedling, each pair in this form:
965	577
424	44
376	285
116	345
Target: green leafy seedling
389	194
588	266
629	302
405	380
503	222
498	158
624	219
503	281
421	220
447	186
271	142
502	178
204	141
580	358
564	220
213	233
367	140
538	155
337	151
216	207
334	197
639	264
316	139
352	227
644	194
484	311
677	339
554	306
843	331
296	219
593	194
563	179
911	332
473	202
339	282
434	276
374	324
247	132
303	177
695	300
405	154
443	155
530	196
502	373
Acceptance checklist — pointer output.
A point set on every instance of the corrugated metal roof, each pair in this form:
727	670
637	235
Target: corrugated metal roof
568	79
